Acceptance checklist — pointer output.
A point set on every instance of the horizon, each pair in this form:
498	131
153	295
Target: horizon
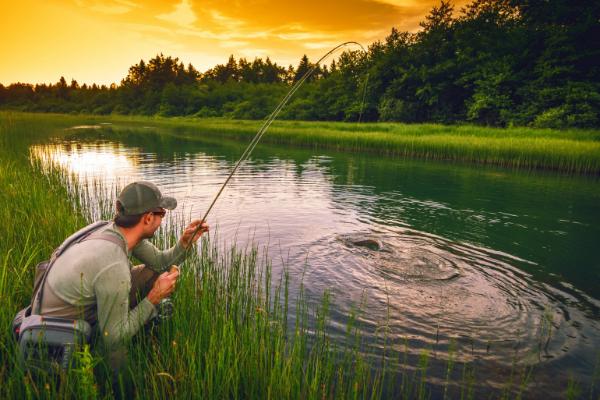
94	41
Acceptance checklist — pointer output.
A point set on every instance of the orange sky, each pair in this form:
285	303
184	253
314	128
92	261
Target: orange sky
97	41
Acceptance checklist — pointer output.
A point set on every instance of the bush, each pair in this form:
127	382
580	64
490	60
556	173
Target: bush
580	106
206	112
103	109
553	118
391	110
120	109
300	109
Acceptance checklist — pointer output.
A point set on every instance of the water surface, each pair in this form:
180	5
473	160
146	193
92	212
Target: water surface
498	265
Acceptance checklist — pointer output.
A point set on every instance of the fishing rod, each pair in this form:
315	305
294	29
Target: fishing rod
267	124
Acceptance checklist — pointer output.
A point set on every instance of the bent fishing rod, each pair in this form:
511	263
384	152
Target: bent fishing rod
267	124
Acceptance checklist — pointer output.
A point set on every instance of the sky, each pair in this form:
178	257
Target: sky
95	41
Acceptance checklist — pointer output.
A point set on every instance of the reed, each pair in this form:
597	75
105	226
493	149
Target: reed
229	337
232	335
572	151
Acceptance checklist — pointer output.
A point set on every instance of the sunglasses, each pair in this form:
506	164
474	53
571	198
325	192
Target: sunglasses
159	213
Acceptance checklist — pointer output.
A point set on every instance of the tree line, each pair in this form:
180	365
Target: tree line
495	62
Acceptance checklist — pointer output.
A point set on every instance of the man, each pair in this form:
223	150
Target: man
93	279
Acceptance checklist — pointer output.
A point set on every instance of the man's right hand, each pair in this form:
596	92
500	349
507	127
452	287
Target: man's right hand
164	286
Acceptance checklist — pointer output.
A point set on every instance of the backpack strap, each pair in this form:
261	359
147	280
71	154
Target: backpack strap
78	237
109	237
89	232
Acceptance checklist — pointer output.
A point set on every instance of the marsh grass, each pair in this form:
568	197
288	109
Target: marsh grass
229	338
571	151
232	334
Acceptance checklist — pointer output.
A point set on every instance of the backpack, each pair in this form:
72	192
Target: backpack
49	341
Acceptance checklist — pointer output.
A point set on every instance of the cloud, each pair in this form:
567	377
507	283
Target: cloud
107	9
111	7
233	43
183	15
320	45
297	35
226	22
209	34
256	52
204	31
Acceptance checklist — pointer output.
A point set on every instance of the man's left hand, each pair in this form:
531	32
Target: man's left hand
186	239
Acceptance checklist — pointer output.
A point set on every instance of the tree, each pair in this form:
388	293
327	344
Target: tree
496	62
62	90
303	67
224	73
491	103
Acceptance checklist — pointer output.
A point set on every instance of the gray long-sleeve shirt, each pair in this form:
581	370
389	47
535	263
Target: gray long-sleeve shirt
92	280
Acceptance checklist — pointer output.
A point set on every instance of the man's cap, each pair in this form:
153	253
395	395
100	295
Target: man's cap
140	197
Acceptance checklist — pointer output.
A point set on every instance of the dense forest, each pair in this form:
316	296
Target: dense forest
495	62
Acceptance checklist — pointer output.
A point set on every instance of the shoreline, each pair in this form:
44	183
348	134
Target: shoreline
574	152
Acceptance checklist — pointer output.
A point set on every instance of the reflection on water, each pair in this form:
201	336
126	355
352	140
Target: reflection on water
498	262
89	161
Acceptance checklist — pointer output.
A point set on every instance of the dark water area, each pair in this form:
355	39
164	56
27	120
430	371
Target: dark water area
498	268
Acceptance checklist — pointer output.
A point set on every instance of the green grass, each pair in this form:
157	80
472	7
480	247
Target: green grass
570	151
573	151
228	339
231	335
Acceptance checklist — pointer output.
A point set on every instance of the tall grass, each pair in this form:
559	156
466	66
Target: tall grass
229	338
572	151
232	335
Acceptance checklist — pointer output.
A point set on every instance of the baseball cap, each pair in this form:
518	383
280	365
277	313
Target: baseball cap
141	196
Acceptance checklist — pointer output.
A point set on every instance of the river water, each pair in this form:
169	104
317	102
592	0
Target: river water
500	266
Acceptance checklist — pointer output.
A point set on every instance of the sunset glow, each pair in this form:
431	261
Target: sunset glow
97	41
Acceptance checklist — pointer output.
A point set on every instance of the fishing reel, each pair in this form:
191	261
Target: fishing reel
165	309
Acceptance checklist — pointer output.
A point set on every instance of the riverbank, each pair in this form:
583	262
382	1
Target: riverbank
570	151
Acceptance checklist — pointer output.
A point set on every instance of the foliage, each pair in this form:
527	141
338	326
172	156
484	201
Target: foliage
494	62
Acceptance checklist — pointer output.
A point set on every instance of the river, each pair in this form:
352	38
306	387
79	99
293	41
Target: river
501	266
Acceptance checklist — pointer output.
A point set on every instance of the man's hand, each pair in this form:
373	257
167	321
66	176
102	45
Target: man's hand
164	285
186	238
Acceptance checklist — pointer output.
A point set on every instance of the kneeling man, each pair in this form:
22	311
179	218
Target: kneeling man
94	280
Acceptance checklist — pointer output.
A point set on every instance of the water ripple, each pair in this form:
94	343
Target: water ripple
438	291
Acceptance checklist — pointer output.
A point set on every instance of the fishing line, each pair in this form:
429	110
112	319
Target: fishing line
269	121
